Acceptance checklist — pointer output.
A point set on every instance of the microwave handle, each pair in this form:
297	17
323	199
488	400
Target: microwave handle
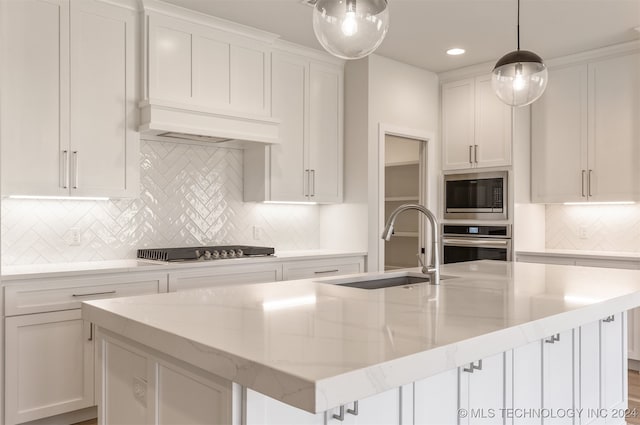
476	242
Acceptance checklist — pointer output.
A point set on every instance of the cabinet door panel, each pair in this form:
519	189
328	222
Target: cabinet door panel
558	137
169	62
527	381
457	124
614	362
260	409
436	399
633	332
325	139
103	128
289	102
614	128
211	72
248	68
492	127
558	376
37	385
35	68
482	393
322	268
589	385
253	273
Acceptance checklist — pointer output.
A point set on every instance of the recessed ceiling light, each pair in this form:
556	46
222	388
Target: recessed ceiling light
455	52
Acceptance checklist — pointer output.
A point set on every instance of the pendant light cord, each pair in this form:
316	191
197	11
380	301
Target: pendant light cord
518	27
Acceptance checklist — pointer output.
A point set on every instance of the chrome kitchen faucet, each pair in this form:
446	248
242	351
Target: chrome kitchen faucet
433	269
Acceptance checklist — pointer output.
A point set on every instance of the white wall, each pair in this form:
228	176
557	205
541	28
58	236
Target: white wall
396	95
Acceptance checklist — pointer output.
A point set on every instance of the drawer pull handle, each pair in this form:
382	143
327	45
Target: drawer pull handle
609	319
327	271
93	294
553	339
354	411
473	367
340	417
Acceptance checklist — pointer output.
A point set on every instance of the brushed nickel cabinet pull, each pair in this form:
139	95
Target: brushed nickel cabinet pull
93	294
553	339
75	169
609	319
65	169
313	186
326	271
472	367
354	411
470	153
475	153
583	193
339	417
90	331
589	185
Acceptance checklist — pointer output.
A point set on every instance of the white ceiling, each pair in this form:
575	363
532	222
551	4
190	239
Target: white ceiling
421	30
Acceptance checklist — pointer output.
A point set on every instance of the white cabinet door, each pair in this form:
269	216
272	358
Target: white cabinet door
436	399
614	129
558	388
492	126
48	365
613	372
325	152
104	142
224	275
35	97
305	269
633	332
458	122
589	396
260	409
482	390
288	176
559	138
527	383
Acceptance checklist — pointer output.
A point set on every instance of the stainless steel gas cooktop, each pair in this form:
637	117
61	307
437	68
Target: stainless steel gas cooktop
204	253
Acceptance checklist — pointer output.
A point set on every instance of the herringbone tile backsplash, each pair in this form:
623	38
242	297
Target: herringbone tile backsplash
609	227
190	195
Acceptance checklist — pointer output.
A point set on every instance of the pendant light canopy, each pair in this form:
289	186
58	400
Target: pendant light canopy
519	77
350	29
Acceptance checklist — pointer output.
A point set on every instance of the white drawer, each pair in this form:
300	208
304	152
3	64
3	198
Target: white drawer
224	275
322	268
43	295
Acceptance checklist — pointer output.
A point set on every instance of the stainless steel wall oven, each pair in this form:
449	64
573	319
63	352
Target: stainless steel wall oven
474	242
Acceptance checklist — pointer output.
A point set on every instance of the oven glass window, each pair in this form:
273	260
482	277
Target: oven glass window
477	193
457	254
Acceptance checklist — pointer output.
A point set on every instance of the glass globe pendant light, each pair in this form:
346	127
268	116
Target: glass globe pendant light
519	77
350	29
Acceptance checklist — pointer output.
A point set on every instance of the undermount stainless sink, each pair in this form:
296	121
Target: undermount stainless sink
384	281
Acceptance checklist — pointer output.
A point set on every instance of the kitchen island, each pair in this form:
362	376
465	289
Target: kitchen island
496	341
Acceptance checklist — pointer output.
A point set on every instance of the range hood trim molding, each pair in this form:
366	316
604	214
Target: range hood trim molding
157	117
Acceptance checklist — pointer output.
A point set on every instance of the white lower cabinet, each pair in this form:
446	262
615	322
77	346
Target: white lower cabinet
51	358
207	277
526	394
49	349
482	391
322	268
260	409
436	399
558	389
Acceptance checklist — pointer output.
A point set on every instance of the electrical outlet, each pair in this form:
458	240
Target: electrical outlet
582	232
257	233
75	237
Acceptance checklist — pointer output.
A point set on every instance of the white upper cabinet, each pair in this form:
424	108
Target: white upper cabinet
476	126
585	133
307	165
69	110
201	66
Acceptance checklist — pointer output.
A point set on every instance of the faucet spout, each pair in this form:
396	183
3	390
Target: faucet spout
433	269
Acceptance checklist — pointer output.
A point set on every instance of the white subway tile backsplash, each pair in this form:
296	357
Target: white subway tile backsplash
608	227
190	195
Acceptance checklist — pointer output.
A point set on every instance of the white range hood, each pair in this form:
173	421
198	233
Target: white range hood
162	120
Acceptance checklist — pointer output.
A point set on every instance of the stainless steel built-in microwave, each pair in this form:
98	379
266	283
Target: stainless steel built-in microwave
476	196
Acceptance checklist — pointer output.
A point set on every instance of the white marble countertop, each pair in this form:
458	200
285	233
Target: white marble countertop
316	346
599	255
31	271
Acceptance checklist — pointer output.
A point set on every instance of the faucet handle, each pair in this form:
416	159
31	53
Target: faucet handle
421	262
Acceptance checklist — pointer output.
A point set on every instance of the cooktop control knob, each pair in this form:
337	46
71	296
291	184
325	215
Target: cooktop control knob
239	253
223	253
215	254
207	255
232	253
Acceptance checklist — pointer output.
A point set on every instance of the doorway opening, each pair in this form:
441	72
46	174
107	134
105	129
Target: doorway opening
404	182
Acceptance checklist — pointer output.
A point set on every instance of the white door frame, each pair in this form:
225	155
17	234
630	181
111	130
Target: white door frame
428	179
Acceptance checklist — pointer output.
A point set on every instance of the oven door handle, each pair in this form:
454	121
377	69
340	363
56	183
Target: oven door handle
476	242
